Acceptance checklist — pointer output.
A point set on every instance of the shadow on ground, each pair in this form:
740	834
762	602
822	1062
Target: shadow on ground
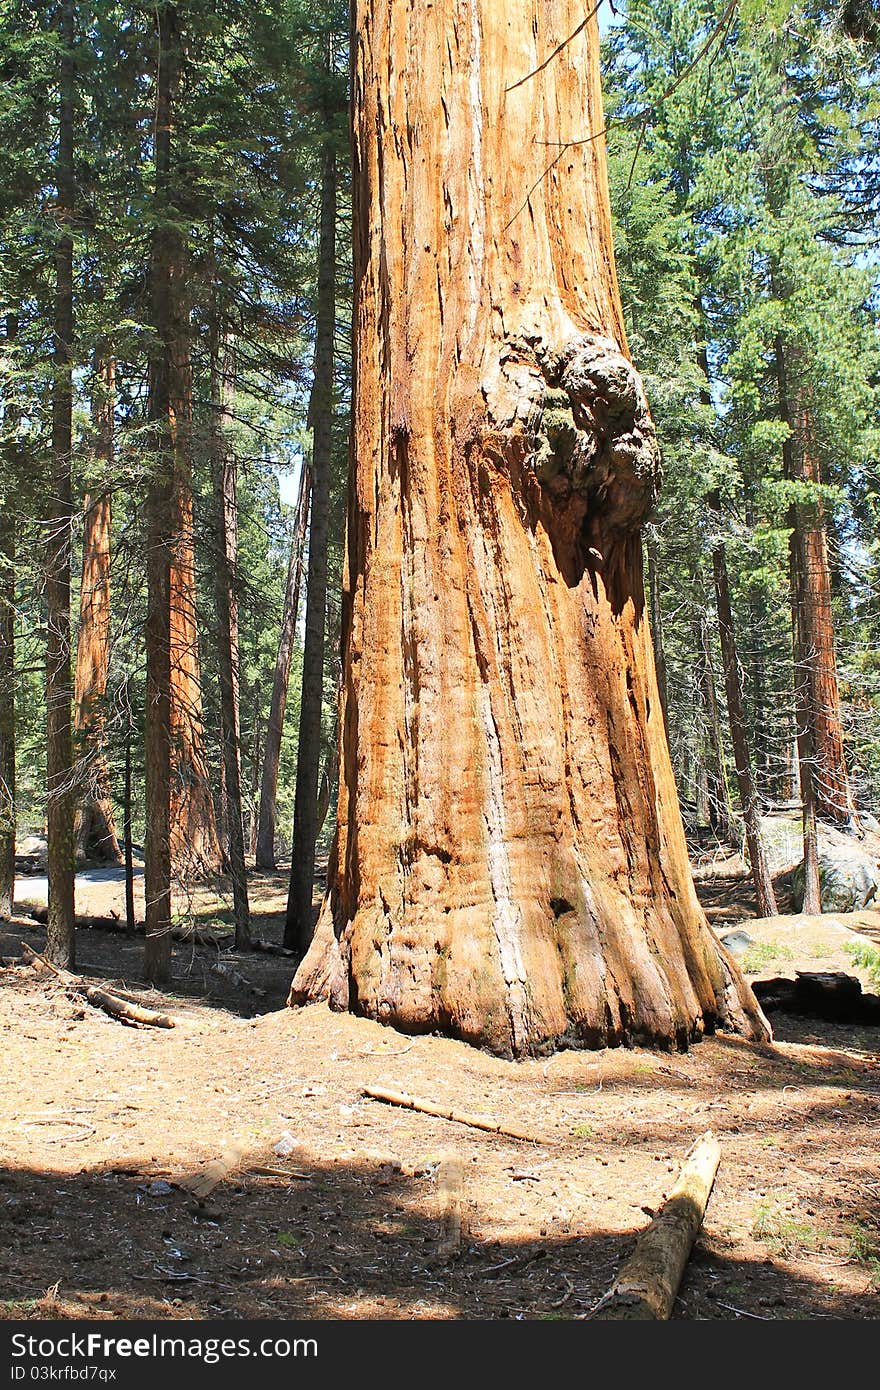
346	1240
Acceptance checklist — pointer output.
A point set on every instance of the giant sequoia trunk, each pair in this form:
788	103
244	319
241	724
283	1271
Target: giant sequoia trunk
95	833
816	663
510	866
194	846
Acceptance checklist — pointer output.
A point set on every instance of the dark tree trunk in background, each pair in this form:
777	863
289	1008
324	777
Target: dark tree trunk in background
256	760
7	653
60	927
739	737
224	478
806	723
94	832
265	843
166	412
7	712
721	812
299	923
130	920
510	866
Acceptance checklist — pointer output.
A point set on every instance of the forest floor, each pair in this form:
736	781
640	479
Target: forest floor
356	1217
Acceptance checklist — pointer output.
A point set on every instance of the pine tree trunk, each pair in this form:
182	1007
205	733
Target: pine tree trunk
806	722
721	811
60	926
265	843
510	866
7	713
8	815
300	919
224	476
166	414
255	781
814	621
739	737
94	831
130	920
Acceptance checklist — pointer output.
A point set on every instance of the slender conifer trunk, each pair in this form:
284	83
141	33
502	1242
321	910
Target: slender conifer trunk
739	736
60	927
223	466
8	815
265	842
300	918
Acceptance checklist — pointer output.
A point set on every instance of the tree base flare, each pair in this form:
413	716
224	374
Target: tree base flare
533	1018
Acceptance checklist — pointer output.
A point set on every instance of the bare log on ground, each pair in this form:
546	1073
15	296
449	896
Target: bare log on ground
459	1117
120	1009
112	922
646	1286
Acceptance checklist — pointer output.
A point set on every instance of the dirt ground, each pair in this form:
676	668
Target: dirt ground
100	1123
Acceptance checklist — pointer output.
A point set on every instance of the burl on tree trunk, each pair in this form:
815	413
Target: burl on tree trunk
510	866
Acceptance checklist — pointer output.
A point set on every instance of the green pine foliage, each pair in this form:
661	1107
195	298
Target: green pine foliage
743	171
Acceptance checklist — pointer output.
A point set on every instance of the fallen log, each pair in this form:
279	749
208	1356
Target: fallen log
110	923
194	936
820	994
131	1014
646	1286
459	1117
270	948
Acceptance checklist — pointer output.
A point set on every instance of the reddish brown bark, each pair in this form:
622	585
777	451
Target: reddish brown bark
811	595
195	848
510	865
94	831
194	845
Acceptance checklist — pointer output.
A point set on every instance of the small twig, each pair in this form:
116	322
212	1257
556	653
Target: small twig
460	1117
517	1262
743	1312
257	1170
569	1290
380	1052
555	54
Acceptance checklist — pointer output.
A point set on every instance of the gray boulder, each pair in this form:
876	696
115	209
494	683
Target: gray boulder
848	880
31	855
737	942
